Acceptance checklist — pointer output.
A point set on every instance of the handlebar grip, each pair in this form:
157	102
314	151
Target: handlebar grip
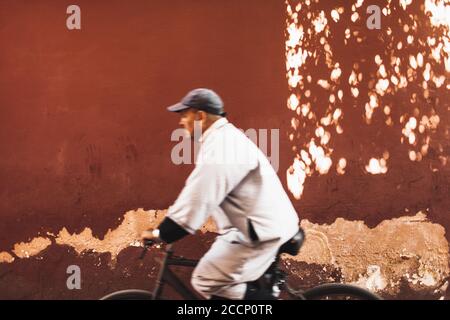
148	243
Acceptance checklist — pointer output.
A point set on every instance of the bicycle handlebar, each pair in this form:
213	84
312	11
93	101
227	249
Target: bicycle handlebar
150	242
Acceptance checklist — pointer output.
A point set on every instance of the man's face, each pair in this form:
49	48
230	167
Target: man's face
187	120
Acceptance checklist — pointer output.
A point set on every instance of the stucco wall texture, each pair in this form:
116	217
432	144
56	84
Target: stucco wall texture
85	145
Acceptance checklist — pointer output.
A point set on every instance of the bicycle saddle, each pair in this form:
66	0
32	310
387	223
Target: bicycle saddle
292	246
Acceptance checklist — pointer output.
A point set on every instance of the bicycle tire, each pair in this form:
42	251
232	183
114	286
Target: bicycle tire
331	290
131	294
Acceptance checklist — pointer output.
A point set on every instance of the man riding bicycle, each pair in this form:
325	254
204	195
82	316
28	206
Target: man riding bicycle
234	183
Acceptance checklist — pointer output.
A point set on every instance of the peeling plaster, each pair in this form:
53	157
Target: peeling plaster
32	248
5	257
125	235
408	248
373	279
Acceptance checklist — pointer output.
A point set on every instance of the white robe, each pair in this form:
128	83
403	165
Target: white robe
234	182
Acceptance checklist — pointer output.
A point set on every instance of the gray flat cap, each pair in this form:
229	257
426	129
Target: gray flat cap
200	99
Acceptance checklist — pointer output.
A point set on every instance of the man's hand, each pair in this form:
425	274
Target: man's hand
151	236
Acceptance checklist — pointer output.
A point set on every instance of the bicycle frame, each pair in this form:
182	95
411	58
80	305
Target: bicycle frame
166	276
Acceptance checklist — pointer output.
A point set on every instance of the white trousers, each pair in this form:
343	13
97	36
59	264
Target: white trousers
227	266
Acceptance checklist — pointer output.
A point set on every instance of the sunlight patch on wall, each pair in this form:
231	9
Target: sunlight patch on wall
414	63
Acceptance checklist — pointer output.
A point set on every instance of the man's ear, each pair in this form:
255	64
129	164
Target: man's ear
202	115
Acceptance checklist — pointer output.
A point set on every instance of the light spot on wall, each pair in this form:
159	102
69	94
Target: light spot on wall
335	15
340	168
376	166
405	3
320	22
293	102
296	176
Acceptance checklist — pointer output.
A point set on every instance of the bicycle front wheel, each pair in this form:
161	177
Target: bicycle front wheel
339	291
132	294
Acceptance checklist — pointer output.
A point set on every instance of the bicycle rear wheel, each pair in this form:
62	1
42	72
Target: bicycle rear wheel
339	291
132	294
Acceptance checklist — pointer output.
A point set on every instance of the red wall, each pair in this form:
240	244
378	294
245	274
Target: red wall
84	134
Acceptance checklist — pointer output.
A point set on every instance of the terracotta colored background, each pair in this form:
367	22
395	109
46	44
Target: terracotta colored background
84	135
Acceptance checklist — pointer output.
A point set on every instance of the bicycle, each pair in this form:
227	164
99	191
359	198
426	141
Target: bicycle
273	279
